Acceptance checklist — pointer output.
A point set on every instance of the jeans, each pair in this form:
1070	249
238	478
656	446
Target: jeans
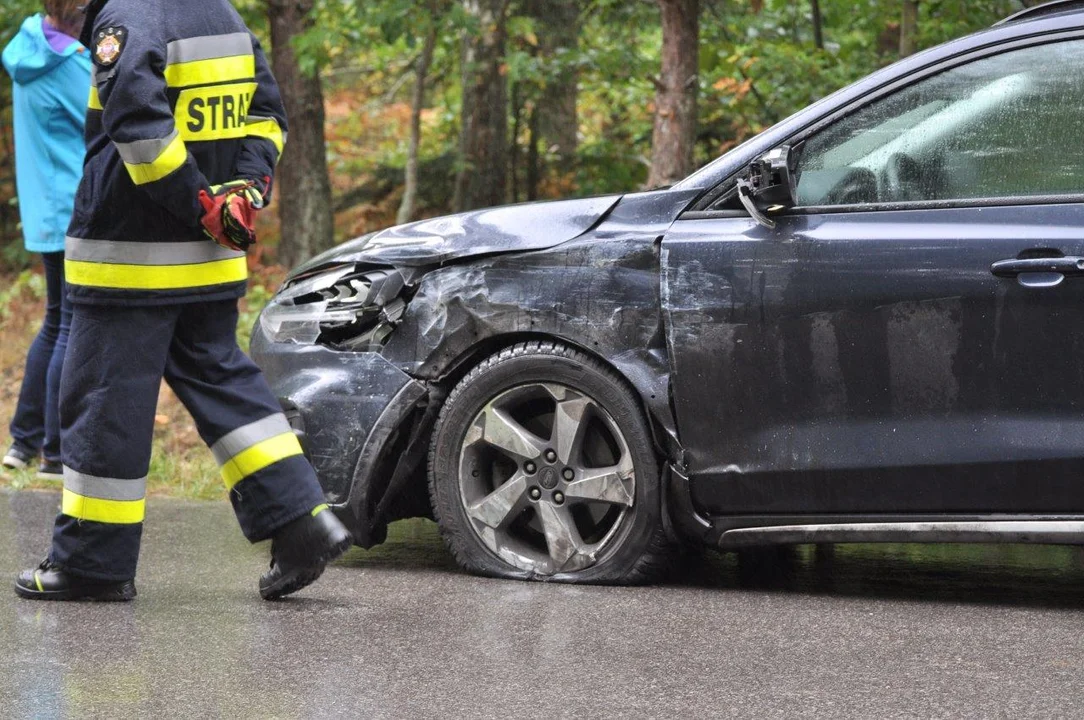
36	425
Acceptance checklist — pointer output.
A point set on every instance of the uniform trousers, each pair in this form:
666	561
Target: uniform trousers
117	357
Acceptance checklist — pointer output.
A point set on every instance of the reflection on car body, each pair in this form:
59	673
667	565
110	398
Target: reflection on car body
862	324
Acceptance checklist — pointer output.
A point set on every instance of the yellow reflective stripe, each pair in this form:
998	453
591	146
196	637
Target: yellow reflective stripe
95	101
258	457
206	72
155	277
37	580
267	129
319	509
116	512
167	162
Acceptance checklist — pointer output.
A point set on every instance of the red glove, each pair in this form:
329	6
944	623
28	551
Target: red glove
229	215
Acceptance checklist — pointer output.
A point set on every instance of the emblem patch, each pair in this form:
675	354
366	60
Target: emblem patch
109	45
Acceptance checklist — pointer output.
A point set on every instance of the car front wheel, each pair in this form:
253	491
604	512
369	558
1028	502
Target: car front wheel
542	467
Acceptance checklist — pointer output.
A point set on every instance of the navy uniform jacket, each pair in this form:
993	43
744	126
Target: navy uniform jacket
181	99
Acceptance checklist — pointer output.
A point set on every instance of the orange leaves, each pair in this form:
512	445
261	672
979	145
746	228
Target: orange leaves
738	89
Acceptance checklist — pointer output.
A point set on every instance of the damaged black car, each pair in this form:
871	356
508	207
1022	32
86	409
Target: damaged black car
865	324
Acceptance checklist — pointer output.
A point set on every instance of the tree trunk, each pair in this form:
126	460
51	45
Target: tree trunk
303	188
482	180
909	28
410	195
534	163
674	137
558	120
818	25
513	147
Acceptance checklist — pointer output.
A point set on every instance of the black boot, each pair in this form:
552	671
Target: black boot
301	550
48	582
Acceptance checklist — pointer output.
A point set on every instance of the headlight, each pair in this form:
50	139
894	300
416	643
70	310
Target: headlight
356	310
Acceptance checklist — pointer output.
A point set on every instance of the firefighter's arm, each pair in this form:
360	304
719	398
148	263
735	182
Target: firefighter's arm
265	129
138	118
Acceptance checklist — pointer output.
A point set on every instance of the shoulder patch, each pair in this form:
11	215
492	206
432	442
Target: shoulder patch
109	43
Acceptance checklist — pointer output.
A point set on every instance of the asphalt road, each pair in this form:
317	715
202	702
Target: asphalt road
399	632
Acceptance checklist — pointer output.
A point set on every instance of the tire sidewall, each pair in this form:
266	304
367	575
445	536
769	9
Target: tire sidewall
563	366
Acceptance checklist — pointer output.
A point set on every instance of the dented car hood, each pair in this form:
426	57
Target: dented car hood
514	228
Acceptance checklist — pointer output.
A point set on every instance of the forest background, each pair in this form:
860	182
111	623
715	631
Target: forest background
405	109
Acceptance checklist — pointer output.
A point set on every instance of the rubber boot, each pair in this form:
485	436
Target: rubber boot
301	550
48	582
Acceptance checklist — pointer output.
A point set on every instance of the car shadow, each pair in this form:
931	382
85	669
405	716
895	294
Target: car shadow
1017	575
411	544
1011	575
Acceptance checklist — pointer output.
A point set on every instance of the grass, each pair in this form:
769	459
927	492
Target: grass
190	474
181	465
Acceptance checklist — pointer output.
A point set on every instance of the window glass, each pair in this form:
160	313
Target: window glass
1008	125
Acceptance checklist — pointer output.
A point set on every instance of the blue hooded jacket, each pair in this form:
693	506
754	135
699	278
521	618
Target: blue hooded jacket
50	104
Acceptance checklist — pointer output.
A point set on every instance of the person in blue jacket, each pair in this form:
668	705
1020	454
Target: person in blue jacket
51	74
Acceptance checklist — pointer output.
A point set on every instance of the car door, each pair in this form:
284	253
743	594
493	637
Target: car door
862	357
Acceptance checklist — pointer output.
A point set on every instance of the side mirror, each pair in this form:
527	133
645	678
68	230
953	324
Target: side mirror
770	184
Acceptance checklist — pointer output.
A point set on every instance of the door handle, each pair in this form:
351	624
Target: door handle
1039	272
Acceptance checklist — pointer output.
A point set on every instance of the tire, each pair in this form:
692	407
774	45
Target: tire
608	530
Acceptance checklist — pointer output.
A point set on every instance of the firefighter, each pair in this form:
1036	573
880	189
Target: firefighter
184	128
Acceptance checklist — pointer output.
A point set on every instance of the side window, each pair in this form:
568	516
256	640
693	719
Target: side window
1010	125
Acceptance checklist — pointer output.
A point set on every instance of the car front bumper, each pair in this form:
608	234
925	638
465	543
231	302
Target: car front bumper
349	409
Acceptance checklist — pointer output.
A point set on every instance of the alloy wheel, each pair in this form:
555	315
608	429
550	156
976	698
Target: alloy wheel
546	478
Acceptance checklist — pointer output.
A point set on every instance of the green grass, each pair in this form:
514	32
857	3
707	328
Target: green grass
190	474
26	480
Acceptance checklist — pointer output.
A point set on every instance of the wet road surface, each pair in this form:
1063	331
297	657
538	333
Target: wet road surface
858	631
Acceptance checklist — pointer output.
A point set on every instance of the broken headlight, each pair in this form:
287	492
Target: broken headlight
344	307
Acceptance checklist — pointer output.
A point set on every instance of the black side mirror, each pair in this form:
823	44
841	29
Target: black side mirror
771	184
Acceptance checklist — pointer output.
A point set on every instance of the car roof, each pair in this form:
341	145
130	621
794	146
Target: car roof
1046	10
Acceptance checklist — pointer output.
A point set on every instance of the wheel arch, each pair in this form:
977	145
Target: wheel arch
414	425
459	367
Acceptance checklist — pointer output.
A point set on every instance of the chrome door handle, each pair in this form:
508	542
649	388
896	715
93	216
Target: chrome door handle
1060	265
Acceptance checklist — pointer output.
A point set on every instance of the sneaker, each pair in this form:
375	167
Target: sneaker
301	550
16	458
49	582
51	470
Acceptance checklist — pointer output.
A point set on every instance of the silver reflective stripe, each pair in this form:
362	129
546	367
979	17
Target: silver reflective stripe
208	48
245	437
104	488
251	119
119	252
143	152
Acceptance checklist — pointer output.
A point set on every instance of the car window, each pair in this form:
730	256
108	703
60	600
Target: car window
1004	126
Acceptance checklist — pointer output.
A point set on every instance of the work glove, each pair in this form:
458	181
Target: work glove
249	188
229	213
